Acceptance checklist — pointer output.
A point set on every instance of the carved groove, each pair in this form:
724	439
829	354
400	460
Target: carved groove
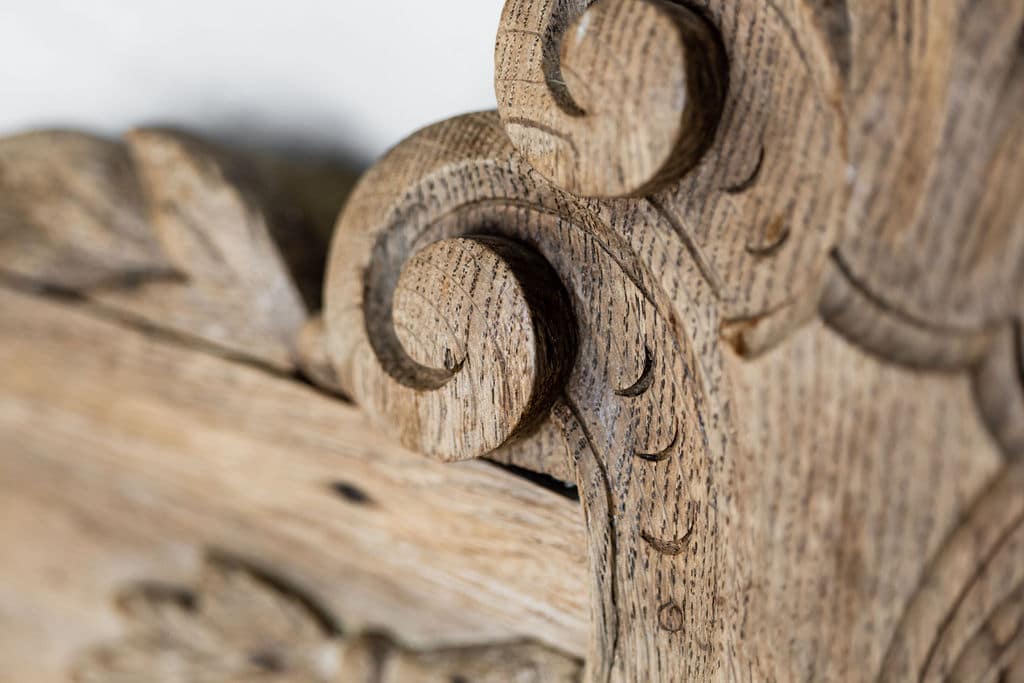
663	546
666	452
607	287
853	167
876	325
748	182
643	383
562	75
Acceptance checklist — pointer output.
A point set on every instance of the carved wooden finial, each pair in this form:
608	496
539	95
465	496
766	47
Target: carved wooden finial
612	100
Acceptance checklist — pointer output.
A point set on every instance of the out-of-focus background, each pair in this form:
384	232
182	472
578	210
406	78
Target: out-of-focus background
337	78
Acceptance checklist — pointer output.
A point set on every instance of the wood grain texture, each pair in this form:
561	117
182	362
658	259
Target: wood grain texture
72	213
937	152
131	462
714	278
784	374
964	622
632	383
172	231
999	387
239	291
240	625
855	473
609	98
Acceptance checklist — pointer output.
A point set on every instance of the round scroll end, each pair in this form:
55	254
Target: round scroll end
635	103
482	341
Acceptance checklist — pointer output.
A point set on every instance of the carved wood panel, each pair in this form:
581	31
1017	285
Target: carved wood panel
747	275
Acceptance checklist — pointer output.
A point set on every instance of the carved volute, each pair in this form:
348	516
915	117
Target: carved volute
471	347
598	112
747	274
479	295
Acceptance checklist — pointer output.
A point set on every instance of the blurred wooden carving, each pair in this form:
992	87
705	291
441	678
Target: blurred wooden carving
748	275
239	625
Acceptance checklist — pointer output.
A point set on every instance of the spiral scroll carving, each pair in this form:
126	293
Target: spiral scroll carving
819	271
483	292
599	112
431	329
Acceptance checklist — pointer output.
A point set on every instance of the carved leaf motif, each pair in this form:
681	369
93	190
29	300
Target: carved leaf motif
170	231
71	212
240	626
236	626
241	261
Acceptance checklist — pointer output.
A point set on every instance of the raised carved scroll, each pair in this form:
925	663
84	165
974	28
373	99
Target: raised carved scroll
751	225
473	229
748	274
599	112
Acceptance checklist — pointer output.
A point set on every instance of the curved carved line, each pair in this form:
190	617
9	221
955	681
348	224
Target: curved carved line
880	327
668	547
450	364
749	181
548	130
1002	650
772	245
586	462
991	556
887	306
985	546
643	383
707	271
630	270
666	452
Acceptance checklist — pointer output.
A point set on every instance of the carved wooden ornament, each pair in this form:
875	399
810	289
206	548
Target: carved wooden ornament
749	275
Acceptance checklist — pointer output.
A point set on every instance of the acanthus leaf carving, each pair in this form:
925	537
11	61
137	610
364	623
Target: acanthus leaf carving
240	624
170	231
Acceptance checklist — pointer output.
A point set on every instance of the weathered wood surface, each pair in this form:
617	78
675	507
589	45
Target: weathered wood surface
742	250
787	379
126	457
237	625
171	231
599	112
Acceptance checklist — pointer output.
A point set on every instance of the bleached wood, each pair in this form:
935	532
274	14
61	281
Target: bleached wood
676	297
785	376
238	625
140	455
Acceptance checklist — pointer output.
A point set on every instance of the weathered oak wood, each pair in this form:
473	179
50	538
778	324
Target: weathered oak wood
609	98
784	371
72	213
140	455
238	625
171	231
